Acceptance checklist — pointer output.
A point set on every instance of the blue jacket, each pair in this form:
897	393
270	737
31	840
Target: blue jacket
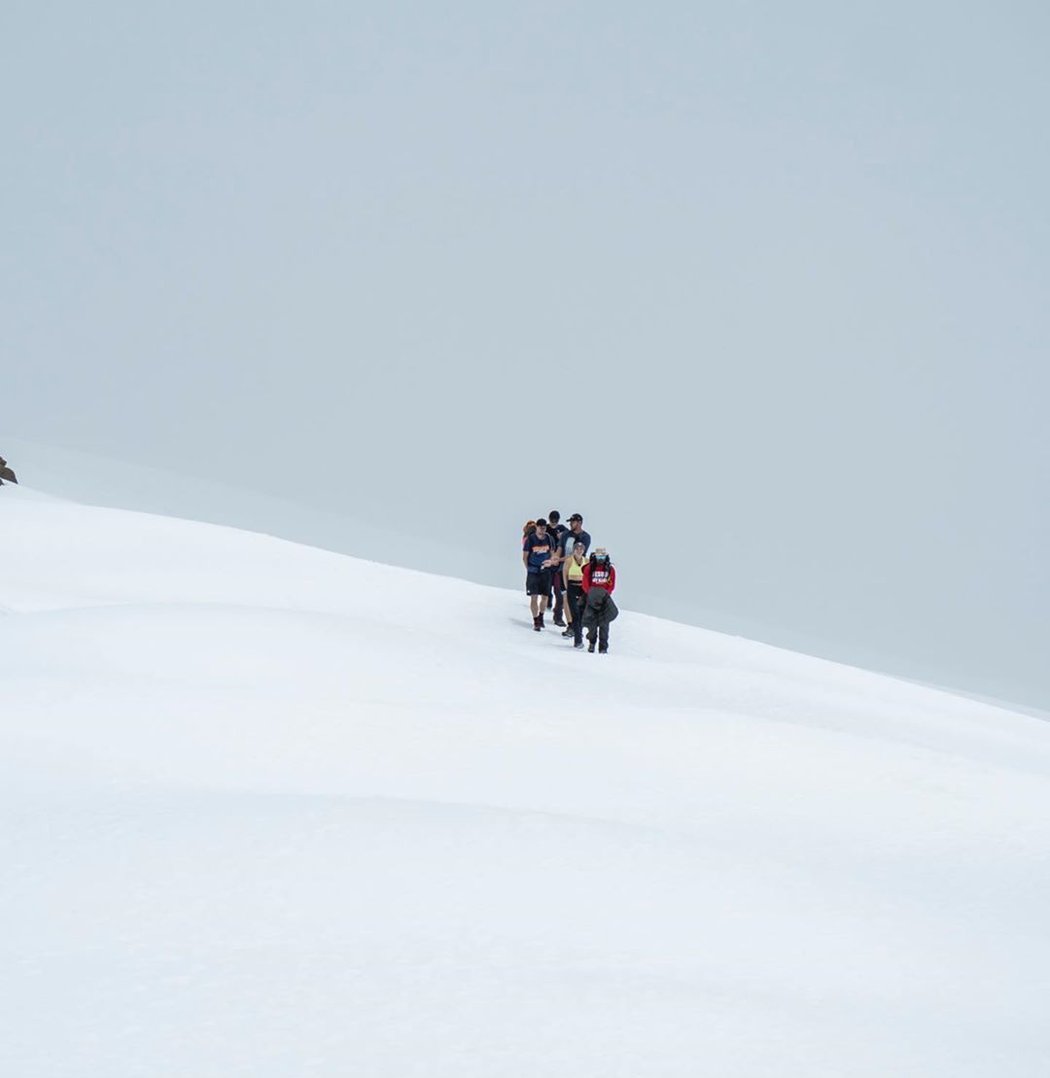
538	550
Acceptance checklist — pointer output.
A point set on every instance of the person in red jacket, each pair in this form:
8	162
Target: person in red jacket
599	580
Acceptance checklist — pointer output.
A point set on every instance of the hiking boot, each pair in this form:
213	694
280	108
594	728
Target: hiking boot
578	646
603	651
568	632
537	623
590	645
560	622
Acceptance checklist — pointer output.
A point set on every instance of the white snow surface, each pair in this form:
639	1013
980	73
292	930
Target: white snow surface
267	810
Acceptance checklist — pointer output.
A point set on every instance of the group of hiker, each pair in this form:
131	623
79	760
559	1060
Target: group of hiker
561	572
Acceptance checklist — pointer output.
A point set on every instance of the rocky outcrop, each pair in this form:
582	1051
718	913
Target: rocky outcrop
6	473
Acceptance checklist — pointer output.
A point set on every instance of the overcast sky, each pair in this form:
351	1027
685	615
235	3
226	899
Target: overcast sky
760	288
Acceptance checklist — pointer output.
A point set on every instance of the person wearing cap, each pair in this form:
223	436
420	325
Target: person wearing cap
575	533
537	551
599	580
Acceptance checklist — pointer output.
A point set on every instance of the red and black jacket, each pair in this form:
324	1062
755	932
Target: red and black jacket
603	577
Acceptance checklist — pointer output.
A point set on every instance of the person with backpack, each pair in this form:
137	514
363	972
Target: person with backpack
598	582
537	551
576	597
527	528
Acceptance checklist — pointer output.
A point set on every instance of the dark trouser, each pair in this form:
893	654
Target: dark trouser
603	635
599	612
558	585
577	600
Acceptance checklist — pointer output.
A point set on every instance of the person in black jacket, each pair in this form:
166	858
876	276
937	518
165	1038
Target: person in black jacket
558	531
599	582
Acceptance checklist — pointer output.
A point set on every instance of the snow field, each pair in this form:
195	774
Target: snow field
268	810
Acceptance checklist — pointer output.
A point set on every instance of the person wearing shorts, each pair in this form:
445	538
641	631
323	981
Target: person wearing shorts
537	553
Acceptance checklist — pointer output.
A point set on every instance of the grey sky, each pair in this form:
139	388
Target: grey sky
759	287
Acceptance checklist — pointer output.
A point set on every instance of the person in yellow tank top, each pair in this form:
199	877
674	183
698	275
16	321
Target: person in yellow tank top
572	574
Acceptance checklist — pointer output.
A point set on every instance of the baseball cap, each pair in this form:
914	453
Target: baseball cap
575	516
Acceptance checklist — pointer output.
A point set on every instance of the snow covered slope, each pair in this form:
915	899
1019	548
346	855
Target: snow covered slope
269	811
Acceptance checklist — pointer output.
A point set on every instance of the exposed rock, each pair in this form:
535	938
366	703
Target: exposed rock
6	473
